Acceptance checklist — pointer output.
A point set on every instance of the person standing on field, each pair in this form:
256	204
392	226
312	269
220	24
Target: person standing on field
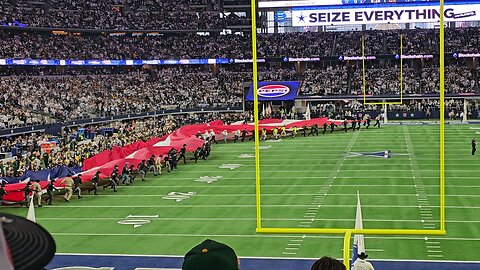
244	134
151	165
225	134
113	180
26	194
474	146
158	164
50	189
2	192
68	188
236	135
183	151
213	136
37	189
95	180
77	180
361	263
263	137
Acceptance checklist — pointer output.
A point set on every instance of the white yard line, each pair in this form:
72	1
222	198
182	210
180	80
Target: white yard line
179	205
425	211
254	219
318	185
295	194
387	237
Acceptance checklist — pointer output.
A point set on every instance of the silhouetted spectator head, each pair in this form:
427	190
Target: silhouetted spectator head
328	263
211	255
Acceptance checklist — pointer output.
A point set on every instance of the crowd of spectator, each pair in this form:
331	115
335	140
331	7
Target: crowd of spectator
114	14
34	99
36	45
37	95
414	41
71	149
72	97
340	80
342	109
12	115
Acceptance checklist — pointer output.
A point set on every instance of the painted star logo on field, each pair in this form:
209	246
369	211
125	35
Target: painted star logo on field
178	196
208	179
379	154
229	166
246	156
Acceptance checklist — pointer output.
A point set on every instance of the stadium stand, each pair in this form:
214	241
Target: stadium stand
26	44
62	97
196	29
72	147
118	15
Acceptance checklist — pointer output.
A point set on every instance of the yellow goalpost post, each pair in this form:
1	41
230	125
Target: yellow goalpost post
347	232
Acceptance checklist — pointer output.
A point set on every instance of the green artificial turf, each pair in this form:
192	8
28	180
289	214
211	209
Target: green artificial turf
302	179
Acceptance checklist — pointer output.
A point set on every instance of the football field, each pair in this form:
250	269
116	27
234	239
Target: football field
309	182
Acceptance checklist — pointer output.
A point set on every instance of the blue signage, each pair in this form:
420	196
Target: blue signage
44	62
271	91
280	17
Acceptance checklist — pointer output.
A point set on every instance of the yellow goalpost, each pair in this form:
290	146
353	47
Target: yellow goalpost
347	232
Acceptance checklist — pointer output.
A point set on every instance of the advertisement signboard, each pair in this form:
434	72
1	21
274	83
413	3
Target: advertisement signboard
322	16
272	91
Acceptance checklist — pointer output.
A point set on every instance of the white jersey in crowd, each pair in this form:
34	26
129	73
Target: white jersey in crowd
360	264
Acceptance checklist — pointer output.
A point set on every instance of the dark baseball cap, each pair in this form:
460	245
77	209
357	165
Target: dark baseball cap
210	255
30	245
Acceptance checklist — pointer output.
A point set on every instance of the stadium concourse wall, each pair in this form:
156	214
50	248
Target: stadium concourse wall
139	262
140	150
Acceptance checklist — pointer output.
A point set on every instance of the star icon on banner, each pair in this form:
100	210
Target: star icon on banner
301	18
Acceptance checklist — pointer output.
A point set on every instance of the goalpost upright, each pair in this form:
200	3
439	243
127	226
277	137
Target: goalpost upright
255	113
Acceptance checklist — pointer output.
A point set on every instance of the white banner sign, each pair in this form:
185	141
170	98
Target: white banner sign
414	14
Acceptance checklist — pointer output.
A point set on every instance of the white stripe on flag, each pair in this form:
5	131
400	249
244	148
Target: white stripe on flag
31	210
358	240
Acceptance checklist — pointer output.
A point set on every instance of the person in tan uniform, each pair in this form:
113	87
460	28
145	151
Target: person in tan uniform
158	164
37	189
68	188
